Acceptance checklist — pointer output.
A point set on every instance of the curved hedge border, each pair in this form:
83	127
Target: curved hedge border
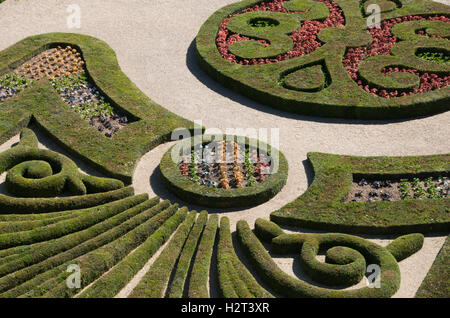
342	97
41	104
29	281
97	262
89	218
321	206
39	176
77	243
154	283
110	284
192	192
234	278
309	245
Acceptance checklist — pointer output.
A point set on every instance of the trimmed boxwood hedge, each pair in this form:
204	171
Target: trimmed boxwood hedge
234	278
406	245
97	262
16	226
179	277
199	278
117	156
309	245
78	243
192	192
90	217
321	206
110	284
342	97
104	234
43	205
266	230
154	283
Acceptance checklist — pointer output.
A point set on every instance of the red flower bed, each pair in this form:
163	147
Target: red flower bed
305	39
382	43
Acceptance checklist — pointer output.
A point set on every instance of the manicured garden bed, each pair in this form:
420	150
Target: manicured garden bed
320	58
323	205
149	123
205	176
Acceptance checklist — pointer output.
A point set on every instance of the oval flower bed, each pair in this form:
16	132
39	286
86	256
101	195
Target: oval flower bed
218	173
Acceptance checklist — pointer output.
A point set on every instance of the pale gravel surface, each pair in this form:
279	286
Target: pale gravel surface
153	43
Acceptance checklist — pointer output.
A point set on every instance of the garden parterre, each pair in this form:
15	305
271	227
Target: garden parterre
111	266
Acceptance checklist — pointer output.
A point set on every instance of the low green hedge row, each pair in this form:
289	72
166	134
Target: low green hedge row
112	282
179	278
406	245
33	284
322	206
8	218
30	277
192	192
42	205
150	125
77	243
198	281
436	284
289	286
234	278
266	230
17	226
154	282
84	234
97	262
342	97
90	217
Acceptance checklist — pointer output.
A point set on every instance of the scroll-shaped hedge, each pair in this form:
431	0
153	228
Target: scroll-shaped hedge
347	256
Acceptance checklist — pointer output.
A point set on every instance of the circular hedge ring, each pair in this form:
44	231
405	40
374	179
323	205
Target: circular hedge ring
222	197
326	58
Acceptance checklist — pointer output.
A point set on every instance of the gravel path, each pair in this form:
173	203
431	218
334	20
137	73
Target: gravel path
153	41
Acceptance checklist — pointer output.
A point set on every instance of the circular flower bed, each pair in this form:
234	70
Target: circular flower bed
269	49
224	173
